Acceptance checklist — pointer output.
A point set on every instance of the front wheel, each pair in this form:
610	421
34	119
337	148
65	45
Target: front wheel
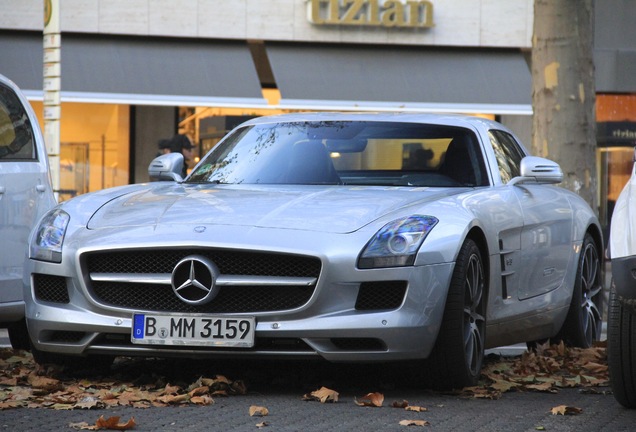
621	350
583	324
458	354
19	335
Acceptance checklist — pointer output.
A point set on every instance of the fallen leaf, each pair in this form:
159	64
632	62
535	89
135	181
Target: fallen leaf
414	423
202	400
370	399
258	411
416	408
504	385
544	387
82	426
565	410
44	383
238	387
89	402
174	399
199	391
262	425
595	367
170	390
400	404
322	395
112	423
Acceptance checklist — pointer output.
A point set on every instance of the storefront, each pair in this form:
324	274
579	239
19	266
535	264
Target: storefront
133	74
616	140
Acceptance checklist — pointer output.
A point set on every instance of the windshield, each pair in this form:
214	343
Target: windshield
345	152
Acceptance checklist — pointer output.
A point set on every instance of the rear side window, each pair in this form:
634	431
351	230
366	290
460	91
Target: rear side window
16	133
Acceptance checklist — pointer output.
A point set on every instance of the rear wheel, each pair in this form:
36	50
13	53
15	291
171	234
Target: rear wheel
621	350
458	355
584	320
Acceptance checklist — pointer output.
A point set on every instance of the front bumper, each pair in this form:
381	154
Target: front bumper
328	326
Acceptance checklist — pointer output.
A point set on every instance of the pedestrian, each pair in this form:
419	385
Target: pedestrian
178	144
163	146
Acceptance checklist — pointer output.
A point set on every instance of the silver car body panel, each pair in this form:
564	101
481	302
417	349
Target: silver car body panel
531	235
25	195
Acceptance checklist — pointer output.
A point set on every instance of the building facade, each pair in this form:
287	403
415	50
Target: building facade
136	71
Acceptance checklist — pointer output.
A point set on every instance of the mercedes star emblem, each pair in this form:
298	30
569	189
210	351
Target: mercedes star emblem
194	280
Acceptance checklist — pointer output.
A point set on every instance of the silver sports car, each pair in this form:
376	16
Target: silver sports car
347	237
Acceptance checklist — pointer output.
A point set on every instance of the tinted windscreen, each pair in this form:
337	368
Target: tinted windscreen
335	152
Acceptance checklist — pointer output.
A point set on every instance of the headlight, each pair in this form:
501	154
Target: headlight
46	245
396	244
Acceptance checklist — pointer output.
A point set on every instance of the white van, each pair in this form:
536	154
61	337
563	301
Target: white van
25	194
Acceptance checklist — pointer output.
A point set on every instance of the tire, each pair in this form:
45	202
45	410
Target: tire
583	324
458	354
19	336
621	350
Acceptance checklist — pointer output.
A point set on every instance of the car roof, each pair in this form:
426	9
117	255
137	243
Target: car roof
404	117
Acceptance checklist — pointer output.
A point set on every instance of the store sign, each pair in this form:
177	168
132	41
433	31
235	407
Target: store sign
620	133
375	13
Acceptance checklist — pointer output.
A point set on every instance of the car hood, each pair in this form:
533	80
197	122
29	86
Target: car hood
334	209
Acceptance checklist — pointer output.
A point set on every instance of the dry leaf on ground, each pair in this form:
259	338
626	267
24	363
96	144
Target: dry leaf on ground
112	423
258	411
565	410
414	423
370	399
416	408
323	395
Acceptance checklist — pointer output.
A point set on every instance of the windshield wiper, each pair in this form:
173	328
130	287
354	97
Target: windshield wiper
205	182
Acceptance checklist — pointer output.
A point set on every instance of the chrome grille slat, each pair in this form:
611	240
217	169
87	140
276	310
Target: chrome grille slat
223	280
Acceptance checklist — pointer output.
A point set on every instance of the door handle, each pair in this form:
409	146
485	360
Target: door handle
2	189
40	188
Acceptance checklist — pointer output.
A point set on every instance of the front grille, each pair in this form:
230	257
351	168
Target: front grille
50	288
380	295
230	299
228	262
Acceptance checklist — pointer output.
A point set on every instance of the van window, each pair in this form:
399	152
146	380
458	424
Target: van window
16	133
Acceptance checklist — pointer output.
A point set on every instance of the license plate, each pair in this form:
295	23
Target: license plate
193	330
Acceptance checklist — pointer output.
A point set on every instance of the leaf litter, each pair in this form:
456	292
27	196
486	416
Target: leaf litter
25	384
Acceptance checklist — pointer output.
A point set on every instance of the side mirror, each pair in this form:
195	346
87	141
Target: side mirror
538	170
166	167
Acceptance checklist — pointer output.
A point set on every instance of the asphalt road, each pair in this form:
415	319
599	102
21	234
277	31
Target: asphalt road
287	412
513	411
280	386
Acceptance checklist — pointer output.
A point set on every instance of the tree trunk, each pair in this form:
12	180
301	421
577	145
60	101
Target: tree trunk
563	91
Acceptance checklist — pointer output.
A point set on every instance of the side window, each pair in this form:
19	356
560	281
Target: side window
16	134
508	154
